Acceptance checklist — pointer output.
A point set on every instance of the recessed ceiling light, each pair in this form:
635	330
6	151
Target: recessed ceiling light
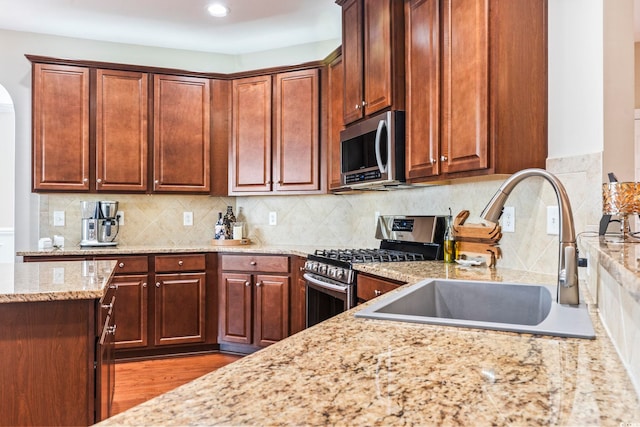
218	10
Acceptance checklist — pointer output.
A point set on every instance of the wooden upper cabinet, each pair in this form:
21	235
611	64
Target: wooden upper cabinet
373	55
476	87
182	137
352	52
465	97
335	120
423	93
60	128
121	130
297	133
250	156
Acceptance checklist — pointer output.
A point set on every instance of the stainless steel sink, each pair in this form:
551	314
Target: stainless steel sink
485	305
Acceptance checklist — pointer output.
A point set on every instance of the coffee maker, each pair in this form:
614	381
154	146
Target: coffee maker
100	223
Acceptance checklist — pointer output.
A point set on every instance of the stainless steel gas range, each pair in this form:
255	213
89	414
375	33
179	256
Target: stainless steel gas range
329	274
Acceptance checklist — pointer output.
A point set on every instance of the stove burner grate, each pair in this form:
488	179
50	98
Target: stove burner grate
368	255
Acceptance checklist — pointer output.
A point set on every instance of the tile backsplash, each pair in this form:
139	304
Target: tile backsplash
348	220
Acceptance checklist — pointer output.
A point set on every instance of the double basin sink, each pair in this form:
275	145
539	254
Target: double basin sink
498	306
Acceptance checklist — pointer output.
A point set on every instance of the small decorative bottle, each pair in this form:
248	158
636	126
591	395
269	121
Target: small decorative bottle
227	221
219	228
449	241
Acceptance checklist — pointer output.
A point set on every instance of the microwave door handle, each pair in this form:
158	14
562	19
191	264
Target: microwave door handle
382	167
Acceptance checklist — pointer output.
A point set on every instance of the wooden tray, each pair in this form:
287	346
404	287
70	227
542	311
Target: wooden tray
230	242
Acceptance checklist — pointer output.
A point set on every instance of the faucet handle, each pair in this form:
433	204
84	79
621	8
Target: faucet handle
568	274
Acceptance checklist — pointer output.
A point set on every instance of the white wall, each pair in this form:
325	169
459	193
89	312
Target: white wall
575	77
7	160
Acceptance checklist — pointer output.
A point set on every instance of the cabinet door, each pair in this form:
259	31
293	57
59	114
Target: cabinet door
235	308
250	160
377	55
121	130
336	120
422	18
271	309
131	311
370	287
180	308
297	133
298	311
181	139
352	52
60	128
465	101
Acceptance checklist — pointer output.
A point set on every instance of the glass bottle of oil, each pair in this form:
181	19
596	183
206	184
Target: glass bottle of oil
450	253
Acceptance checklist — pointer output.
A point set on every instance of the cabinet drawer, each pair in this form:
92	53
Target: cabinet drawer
249	263
130	264
369	287
171	263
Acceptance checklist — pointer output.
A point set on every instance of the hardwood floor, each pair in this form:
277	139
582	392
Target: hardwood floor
139	381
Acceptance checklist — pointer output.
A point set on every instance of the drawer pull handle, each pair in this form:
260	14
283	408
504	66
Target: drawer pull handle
121	265
180	263
253	263
377	293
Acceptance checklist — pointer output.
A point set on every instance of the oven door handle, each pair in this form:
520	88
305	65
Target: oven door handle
382	166
309	278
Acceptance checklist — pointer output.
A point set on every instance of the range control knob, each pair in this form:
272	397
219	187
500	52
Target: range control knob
339	273
322	269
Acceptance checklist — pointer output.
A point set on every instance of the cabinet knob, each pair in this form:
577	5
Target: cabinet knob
364	103
107	306
433	161
157	284
247	283
180	263
357	106
144	284
253	263
121	265
113	286
156	182
85	179
112	329
259	284
443	158
99	181
377	293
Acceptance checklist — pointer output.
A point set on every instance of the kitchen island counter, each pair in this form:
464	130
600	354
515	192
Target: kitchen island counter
350	371
54	281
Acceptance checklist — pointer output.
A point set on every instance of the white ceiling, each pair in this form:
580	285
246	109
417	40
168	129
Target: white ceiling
252	25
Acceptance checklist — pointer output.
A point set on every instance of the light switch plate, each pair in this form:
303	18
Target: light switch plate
273	218
58	218
120	216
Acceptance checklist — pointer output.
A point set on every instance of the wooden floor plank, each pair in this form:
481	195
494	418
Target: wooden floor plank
139	381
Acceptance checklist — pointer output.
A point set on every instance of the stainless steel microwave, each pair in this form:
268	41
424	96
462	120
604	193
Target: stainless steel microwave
372	152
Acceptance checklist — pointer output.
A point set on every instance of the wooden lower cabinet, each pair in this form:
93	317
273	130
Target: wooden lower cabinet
298	311
132	310
369	287
254	306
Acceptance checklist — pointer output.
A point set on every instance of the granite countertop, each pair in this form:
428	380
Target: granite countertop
352	371
48	281
300	250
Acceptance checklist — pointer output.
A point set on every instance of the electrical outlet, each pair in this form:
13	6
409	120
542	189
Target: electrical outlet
187	218
120	216
508	219
58	218
553	220
273	218
58	275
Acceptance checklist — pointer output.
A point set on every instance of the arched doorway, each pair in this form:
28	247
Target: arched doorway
7	176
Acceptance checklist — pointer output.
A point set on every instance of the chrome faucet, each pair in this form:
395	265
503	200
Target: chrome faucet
568	257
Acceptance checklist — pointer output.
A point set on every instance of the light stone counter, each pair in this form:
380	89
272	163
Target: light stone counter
300	250
349	371
49	281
